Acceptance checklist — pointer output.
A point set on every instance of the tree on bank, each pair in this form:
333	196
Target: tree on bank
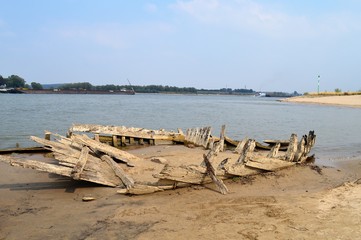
2	81
15	81
36	86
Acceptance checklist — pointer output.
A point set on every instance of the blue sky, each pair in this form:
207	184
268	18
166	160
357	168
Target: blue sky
264	45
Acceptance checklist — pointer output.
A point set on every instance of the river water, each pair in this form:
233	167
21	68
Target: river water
338	129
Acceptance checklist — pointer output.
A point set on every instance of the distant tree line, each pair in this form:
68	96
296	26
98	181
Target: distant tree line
14	81
138	89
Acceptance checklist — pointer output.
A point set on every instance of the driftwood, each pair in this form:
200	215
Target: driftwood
139	189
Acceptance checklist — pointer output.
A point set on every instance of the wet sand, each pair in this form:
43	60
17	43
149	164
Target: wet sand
303	202
349	101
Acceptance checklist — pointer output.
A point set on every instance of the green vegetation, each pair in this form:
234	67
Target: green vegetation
36	86
338	90
13	81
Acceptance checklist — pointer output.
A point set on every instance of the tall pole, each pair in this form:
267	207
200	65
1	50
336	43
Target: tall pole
318	85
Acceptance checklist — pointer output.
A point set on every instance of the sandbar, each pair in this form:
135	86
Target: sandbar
349	101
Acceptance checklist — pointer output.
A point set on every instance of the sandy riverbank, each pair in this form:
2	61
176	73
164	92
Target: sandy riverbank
303	202
350	101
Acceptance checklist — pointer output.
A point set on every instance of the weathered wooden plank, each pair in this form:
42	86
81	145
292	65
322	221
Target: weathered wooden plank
274	150
181	174
79	167
222	136
115	140
268	164
301	150
198	136
126	179
273	142
230	141
311	139
128	132
212	173
120	155
24	150
36	165
95	170
241	170
139	189
246	151
292	148
241	145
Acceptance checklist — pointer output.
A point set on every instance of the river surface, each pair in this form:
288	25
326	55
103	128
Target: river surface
338	129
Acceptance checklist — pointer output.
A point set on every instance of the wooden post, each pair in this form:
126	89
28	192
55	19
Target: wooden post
141	141
246	151
47	135
79	166
292	148
221	141
274	150
131	141
241	145
96	137
115	141
123	141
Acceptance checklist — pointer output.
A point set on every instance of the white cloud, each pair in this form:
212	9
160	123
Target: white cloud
265	19
115	36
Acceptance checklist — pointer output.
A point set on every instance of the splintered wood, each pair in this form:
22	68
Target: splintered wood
82	158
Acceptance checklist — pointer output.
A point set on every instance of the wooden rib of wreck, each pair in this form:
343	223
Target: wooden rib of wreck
83	158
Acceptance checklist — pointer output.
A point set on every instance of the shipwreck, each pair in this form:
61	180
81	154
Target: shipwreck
101	154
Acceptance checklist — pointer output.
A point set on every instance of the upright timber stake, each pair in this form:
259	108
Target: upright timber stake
47	135
212	173
221	141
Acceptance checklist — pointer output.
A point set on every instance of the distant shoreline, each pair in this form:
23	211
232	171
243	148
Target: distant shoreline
344	100
52	91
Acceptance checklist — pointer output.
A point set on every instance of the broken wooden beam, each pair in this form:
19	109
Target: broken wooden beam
268	164
103	177
212	173
79	166
120	155
126	179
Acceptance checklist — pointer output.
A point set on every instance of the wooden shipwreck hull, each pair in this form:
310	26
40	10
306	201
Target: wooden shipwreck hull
83	158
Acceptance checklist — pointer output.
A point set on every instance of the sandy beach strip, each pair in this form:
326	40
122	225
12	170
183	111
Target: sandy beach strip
350	101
